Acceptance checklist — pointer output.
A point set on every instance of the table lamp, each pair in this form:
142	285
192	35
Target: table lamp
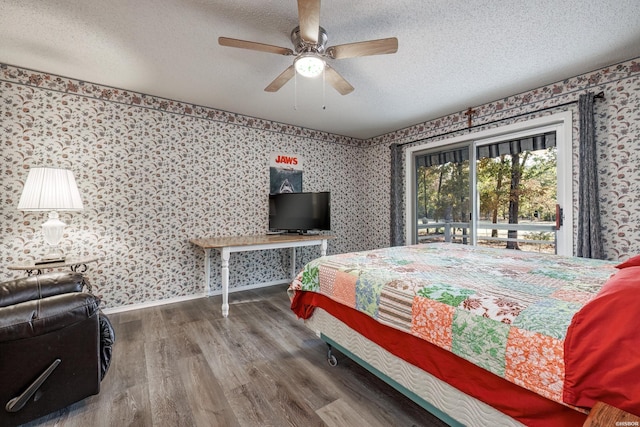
53	190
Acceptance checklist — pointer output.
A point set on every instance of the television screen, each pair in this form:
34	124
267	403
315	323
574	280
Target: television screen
299	212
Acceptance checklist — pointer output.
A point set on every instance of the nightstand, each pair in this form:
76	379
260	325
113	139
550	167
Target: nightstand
78	264
603	415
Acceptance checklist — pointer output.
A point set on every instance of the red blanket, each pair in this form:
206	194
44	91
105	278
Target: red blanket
602	347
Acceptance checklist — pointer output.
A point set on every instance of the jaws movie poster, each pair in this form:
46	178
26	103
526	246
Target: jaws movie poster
285	173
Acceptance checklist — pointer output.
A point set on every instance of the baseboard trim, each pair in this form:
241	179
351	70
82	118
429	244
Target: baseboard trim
149	304
173	300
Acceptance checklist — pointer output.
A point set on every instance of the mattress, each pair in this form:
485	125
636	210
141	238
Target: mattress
436	396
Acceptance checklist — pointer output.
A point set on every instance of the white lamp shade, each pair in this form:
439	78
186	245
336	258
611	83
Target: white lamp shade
50	189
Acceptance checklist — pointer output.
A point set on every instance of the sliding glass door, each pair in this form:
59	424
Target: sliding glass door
500	191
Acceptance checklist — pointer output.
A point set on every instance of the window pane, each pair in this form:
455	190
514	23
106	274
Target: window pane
518	196
442	204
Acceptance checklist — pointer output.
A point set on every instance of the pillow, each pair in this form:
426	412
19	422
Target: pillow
631	262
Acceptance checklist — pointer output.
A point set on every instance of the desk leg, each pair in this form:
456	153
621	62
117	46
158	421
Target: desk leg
224	255
323	247
207	272
293	263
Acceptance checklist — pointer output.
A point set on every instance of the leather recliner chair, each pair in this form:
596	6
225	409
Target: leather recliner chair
55	345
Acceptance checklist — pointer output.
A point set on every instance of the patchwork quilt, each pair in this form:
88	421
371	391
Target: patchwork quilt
505	311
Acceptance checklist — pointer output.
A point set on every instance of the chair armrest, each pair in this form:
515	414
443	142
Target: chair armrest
40	286
39	317
107	338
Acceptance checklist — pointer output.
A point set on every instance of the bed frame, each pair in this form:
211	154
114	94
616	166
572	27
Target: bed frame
434	395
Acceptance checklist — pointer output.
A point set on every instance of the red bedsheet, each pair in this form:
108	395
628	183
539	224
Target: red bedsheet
526	406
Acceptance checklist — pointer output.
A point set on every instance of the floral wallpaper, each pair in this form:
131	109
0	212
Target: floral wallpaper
154	173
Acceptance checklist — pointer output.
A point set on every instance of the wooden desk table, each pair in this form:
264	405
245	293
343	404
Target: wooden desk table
226	245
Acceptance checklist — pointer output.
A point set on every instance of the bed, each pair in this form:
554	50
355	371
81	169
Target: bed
480	335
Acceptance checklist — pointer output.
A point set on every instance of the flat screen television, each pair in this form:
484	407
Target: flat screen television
300	212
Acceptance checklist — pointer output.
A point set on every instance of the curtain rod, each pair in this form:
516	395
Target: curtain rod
599	95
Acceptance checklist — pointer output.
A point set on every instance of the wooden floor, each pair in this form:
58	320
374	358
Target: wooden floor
183	364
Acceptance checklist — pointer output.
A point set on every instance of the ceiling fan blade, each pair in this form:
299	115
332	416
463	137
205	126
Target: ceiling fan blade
371	47
280	81
337	81
309	18
243	44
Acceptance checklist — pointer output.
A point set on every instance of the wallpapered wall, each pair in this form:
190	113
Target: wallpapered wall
154	173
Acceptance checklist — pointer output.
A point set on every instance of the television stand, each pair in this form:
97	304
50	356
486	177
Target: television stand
227	245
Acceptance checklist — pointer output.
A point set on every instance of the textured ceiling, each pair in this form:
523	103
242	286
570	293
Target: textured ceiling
452	54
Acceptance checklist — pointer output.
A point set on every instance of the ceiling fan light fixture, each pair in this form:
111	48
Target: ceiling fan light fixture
309	65
310	49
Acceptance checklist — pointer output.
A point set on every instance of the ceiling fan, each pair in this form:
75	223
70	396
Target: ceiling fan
309	40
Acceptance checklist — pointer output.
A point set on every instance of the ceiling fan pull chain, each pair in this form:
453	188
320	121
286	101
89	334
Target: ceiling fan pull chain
295	90
324	107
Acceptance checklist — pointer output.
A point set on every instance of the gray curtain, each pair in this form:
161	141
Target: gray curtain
589	231
397	232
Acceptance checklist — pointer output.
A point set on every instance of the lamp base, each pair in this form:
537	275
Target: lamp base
53	230
55	253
